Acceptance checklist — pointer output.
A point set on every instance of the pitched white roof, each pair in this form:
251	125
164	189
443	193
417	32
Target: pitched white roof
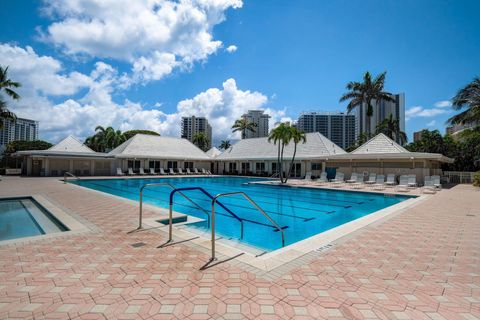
316	146
70	144
158	147
380	144
213	152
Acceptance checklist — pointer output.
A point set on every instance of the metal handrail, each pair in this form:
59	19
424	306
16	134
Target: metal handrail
276	174
170	216
229	194
165	184
69	174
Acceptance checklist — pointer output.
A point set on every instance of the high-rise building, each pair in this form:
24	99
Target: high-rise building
20	129
193	125
417	136
454	129
261	120
381	111
338	127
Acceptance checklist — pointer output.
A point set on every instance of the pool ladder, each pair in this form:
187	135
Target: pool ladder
69	174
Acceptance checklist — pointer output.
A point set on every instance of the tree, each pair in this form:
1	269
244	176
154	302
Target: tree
105	139
225	144
391	128
467	98
364	93
131	133
21	145
6	86
114	138
200	140
244	125
281	137
296	136
362	138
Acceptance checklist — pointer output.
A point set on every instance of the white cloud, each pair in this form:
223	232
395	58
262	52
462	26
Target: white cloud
154	36
431	123
419	111
443	104
231	49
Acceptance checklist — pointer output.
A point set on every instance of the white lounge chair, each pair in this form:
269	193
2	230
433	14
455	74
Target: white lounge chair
379	182
428	186
162	172
152	171
403	184
353	178
120	172
412	181
142	172
130	172
338	180
180	171
371	179
359	183
322	180
170	171
436	182
208	172
195	171
204	171
188	171
390	180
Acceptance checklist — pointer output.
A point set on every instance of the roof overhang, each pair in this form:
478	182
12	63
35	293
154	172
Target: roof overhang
411	156
60	154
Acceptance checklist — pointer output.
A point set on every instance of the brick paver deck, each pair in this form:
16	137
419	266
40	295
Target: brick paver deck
421	264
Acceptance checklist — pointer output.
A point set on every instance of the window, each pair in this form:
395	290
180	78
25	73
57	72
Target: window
260	167
154	165
274	167
316	166
172	165
134	164
245	167
232	166
188	165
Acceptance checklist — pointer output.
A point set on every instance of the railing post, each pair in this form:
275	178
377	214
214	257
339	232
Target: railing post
141	208
170	221
213	230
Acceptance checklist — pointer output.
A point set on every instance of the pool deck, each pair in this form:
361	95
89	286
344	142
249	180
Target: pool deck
423	263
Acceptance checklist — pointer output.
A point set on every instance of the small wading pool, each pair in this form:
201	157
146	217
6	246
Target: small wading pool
301	212
24	217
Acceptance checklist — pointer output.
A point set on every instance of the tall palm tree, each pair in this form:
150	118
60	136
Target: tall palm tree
296	136
114	138
225	144
201	140
281	137
6	86
244	125
391	128
364	93
467	98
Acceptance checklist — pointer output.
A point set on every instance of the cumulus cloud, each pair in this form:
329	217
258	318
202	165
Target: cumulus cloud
231	49
154	36
419	111
431	123
443	104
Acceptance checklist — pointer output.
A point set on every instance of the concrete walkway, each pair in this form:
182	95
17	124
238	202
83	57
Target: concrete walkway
421	264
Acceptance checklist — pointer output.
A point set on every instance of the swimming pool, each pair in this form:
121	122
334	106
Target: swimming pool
24	217
301	212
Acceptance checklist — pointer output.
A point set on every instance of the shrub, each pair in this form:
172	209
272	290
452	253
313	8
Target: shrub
476	179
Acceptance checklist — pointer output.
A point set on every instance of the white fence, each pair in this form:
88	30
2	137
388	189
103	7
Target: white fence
458	176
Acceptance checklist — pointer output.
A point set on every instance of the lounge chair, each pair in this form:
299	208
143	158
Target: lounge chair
436	182
308	176
403	186
120	172
180	171
188	171
162	172
130	172
322	180
152	171
353	178
338	180
170	171
204	171
371	179
208	172
379	182
390	180
195	170
359	183
142	172
428	186
412	181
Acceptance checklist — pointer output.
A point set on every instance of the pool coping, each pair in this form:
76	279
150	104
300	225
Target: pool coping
277	258
73	225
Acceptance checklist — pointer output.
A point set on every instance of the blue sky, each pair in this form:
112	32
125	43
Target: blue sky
290	56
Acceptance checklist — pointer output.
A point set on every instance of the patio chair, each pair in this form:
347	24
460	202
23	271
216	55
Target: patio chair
322	180
195	171
403	186
130	172
120	172
204	171
412	180
371	179
390	180
379	182
359	183
353	178
208	172
338	180
428	186
436	182
180	171
142	172
170	171
152	171
162	172
188	171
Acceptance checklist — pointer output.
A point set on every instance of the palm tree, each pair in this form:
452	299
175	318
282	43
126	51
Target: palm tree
364	93
201	140
114	138
281	136
105	139
6	86
467	98
225	144
244	125
391	128
296	136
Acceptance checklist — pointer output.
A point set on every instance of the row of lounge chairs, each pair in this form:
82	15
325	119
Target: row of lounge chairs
376	182
162	172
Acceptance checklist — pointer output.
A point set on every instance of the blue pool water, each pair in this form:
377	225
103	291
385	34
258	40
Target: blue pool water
23	217
301	212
